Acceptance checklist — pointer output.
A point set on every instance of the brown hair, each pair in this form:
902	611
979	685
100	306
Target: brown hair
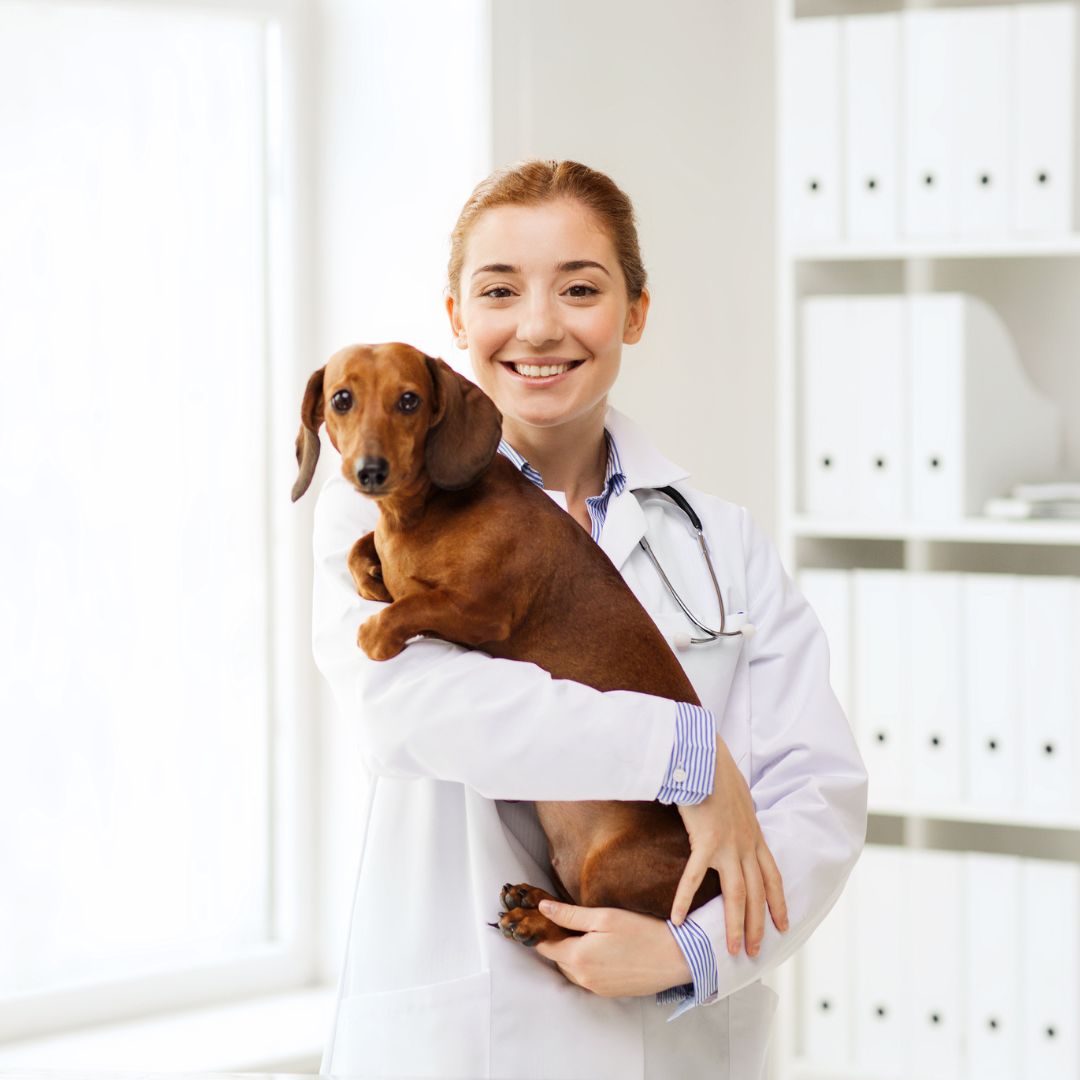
530	183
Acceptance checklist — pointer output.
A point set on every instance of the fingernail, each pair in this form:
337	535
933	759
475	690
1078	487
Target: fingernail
547	907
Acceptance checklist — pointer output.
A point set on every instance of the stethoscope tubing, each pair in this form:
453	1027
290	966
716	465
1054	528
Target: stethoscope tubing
680	501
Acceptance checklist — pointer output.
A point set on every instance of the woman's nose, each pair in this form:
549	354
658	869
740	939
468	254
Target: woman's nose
539	323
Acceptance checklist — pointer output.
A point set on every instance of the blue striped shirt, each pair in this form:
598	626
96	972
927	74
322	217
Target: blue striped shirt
691	768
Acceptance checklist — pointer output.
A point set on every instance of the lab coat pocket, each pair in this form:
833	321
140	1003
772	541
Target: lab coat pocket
439	1030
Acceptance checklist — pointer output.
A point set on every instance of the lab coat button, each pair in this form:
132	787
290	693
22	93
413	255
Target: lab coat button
679	775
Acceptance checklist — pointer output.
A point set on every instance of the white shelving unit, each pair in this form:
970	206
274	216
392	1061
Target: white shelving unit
1034	286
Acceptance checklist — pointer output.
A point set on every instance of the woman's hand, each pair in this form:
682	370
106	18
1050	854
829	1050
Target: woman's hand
622	953
724	834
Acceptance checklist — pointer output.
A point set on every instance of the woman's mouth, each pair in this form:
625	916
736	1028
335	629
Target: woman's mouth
540	371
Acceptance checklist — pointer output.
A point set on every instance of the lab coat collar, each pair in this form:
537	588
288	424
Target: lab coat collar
644	467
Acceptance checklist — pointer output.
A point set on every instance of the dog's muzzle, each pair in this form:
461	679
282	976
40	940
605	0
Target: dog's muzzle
372	473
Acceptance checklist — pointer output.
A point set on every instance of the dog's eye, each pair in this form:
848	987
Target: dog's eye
409	402
342	401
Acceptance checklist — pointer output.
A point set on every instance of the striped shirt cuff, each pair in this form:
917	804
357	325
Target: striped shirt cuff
698	950
692	768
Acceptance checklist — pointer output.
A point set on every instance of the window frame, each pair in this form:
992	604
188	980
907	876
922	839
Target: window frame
290	960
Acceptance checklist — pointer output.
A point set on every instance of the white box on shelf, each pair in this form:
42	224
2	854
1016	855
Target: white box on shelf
992	691
967	388
880	681
935	951
881	998
829	395
994	966
1050	899
812	125
1044	176
929	96
871	95
877	338
826	991
982	60
935	654
1049	642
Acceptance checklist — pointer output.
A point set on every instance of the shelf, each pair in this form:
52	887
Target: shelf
968	530
1062	247
801	1069
969	815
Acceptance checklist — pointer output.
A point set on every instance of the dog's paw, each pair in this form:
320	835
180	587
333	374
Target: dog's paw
528	927
523	896
375	642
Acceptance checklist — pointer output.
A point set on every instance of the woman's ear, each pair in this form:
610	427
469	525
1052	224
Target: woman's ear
636	315
456	328
465	436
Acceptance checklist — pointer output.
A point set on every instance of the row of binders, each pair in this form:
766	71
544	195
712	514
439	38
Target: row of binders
945	966
904	402
963	690
931	123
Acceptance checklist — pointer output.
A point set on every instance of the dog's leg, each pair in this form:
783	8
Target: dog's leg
437	613
522	922
366	570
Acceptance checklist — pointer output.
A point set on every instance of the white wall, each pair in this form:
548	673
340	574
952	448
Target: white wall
400	137
675	101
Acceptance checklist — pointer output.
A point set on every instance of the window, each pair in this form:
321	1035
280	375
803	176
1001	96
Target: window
144	683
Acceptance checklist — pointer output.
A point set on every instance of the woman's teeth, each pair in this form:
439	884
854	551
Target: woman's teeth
540	371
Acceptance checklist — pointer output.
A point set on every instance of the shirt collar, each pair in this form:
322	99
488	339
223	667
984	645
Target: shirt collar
614	477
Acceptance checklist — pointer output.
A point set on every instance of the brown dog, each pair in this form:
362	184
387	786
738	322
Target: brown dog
469	550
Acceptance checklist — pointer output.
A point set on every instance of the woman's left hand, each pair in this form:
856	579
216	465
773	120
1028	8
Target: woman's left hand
622	953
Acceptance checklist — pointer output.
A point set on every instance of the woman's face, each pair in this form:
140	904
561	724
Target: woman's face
544	311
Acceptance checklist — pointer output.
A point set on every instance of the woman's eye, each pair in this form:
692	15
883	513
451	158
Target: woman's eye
580	291
498	292
408	402
342	401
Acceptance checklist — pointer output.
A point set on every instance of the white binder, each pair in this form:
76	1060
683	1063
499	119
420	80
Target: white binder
935	634
993	938
935	950
991	685
967	388
825	995
881	1001
871	92
929	94
1049	644
880	682
811	97
1051	967
829	593
877	335
1045	97
828	394
982	58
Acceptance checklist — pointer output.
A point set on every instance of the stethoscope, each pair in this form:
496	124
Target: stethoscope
747	630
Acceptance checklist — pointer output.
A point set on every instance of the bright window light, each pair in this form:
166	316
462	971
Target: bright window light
135	755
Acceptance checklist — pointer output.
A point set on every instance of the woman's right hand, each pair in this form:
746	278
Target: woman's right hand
725	835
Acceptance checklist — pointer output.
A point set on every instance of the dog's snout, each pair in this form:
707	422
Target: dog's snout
372	472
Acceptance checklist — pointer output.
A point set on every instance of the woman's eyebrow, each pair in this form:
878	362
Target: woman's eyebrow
566	267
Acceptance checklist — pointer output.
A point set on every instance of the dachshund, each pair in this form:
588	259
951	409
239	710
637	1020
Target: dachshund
469	550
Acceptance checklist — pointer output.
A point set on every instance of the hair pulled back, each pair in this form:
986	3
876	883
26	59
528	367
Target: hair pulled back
533	182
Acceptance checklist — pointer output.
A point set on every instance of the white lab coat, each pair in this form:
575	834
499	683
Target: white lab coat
428	988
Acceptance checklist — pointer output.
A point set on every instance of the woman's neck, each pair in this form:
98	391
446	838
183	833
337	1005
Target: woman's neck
571	457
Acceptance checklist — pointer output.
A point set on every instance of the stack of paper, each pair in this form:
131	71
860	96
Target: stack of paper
1057	500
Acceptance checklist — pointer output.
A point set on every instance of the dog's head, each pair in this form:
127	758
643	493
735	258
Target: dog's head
394	414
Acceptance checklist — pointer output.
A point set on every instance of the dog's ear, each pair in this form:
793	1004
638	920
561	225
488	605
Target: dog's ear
465	431
307	438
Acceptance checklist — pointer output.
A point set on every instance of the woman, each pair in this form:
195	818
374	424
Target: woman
546	286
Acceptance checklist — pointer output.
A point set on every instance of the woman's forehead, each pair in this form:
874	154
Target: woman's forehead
537	235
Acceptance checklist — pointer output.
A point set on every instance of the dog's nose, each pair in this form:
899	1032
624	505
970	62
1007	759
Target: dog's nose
372	472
